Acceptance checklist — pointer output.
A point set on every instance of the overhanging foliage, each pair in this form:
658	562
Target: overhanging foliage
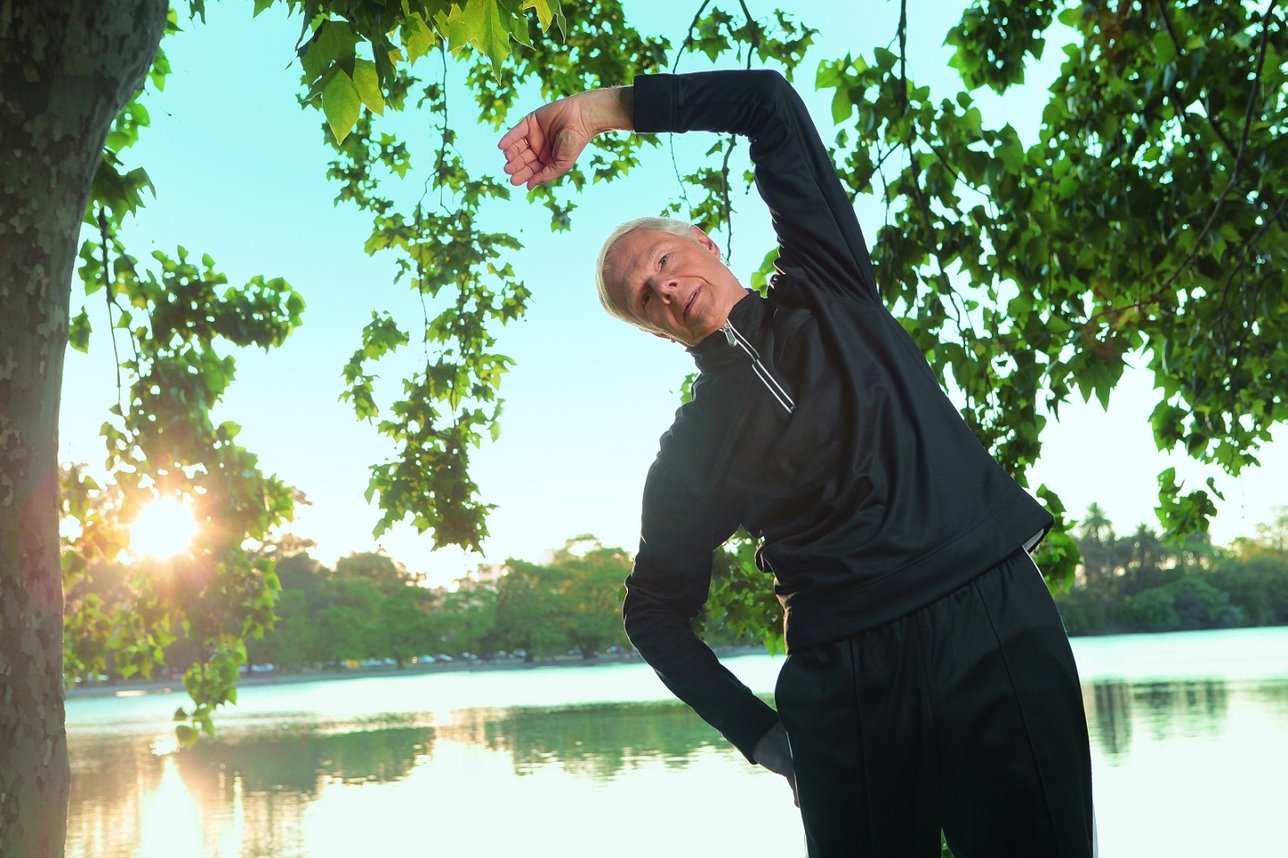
1146	223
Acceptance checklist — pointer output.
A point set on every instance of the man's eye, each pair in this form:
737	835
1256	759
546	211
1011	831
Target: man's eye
662	261
644	299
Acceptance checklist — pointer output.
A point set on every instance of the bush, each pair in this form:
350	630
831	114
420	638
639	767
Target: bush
1258	587
1083	612
1152	610
1199	605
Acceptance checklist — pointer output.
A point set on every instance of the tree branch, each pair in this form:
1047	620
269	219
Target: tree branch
688	35
675	65
107	295
1172	92
1238	158
903	53
1161	294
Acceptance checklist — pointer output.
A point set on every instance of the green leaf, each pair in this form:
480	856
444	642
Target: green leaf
547	11
341	104
1051	500
418	37
78	331
368	86
333	43
480	23
885	58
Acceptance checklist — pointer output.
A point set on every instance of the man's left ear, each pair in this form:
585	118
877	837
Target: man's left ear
705	240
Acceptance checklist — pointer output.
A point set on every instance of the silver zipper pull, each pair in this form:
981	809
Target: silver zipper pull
728	332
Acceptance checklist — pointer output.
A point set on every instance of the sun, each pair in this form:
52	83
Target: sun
164	528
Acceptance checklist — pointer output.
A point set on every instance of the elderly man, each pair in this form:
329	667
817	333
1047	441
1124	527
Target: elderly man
929	683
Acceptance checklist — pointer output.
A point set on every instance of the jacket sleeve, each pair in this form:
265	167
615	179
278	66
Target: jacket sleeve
818	232
666	590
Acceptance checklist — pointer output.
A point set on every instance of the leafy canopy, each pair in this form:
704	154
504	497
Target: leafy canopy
1145	224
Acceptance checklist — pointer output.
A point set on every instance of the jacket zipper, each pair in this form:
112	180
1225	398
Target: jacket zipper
737	340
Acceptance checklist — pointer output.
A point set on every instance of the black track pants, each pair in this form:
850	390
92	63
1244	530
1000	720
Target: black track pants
965	715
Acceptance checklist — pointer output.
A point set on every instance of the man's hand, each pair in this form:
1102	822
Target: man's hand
546	143
775	753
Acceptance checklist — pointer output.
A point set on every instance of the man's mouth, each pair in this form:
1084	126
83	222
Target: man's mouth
689	303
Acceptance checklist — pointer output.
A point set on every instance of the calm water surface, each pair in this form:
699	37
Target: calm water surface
1189	741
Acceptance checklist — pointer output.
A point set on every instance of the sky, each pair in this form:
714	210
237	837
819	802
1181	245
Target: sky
239	170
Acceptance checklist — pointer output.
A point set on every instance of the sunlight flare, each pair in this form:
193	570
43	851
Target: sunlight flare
164	528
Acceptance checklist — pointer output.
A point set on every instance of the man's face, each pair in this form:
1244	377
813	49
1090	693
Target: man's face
672	284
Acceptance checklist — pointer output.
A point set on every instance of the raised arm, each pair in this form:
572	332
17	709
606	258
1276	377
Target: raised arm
819	235
821	243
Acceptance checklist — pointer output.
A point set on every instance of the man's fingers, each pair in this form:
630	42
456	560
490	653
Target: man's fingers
512	136
548	173
540	177
535	156
524	159
521	175
517	148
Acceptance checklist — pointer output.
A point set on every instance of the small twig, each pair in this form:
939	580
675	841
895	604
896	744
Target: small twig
725	203
1236	270
923	205
753	27
442	148
104	238
903	54
876	169
688	35
675	65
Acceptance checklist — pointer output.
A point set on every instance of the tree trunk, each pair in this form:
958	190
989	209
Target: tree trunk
66	69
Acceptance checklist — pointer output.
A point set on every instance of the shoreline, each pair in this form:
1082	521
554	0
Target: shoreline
140	687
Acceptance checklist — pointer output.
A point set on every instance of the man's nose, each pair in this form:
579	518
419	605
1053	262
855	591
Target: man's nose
666	287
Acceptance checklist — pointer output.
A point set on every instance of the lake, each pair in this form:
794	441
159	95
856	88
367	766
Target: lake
1189	735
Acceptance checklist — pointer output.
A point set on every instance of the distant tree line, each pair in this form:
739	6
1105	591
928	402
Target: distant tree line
1139	583
369	607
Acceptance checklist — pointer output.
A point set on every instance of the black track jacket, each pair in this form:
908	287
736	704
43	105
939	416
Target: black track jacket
815	423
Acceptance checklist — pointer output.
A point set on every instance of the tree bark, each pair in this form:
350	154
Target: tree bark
66	69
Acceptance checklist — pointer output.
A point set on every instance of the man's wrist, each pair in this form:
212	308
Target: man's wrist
611	109
770	745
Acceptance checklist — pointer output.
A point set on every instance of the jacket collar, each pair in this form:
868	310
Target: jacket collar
715	352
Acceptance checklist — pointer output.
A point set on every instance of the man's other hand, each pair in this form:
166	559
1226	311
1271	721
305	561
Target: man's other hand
546	143
774	752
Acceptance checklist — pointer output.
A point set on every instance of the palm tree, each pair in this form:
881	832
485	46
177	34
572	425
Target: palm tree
1147	549
1096	540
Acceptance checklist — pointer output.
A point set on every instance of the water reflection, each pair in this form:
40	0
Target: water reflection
1110	717
288	785
246	792
110	775
1191	708
300	761
256	783
591	741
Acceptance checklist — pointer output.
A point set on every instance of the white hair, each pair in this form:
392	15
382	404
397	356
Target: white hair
658	224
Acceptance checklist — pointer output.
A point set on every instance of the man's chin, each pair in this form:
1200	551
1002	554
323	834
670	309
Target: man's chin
696	336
